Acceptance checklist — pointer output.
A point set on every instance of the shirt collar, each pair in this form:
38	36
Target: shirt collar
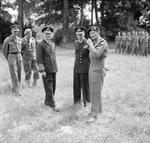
81	41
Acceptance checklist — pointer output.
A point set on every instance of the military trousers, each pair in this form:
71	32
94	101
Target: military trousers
123	47
81	83
145	49
128	48
96	79
50	86
29	66
117	47
134	49
15	64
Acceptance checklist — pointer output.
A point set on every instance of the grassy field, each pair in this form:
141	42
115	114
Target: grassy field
126	105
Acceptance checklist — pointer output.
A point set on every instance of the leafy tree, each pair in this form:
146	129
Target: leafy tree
5	18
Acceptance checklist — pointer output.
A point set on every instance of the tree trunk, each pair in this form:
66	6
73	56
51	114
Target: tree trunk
81	16
92	4
0	21
96	11
102	10
20	16
131	23
66	21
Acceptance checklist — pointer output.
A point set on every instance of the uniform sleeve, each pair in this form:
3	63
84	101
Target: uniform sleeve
53	47
100	49
34	48
40	58
116	38
5	48
22	47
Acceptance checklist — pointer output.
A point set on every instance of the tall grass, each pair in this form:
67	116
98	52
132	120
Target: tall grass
125	101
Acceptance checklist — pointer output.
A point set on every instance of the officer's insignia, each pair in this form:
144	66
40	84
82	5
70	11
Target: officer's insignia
85	47
41	67
79	30
19	40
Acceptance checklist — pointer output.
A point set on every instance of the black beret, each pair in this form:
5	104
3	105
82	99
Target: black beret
47	28
14	26
80	29
93	28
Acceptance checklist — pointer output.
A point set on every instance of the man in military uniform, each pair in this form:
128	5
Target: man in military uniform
117	42
123	42
46	58
81	67
12	53
135	43
98	48
140	41
145	44
29	57
128	43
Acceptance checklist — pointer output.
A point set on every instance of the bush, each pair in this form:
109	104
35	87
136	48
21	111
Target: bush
4	29
59	34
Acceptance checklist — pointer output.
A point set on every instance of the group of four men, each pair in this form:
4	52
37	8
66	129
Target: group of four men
135	43
89	65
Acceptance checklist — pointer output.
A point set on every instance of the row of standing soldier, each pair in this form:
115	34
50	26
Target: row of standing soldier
134	43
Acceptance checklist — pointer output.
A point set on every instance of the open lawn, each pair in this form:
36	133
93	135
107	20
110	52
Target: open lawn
125	98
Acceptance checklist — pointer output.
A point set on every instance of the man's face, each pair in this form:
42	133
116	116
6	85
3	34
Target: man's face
29	35
94	35
15	31
48	35
124	34
80	35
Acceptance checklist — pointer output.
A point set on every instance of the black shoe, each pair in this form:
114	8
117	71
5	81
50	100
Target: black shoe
55	109
77	102
47	104
92	119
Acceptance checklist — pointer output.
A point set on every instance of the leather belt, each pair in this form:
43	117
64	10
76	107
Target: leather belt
14	53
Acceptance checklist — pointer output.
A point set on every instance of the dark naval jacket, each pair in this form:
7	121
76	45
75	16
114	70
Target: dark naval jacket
46	57
82	61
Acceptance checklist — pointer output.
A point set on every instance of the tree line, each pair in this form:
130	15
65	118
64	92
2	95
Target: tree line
111	16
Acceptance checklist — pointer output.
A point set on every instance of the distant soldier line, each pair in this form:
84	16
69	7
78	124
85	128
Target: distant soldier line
133	43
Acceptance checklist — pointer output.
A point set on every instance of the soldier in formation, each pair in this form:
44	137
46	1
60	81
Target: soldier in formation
134	43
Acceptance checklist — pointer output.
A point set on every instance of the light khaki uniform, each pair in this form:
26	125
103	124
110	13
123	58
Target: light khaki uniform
123	44
117	43
12	53
96	75
145	46
135	45
128	45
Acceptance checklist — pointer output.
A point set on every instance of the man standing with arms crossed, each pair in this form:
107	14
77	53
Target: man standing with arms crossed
12	53
46	58
81	67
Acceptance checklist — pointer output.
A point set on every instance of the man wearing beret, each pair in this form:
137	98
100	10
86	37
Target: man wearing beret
12	53
46	58
29	57
81	67
98	51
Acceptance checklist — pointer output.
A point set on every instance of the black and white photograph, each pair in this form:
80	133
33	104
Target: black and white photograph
74	71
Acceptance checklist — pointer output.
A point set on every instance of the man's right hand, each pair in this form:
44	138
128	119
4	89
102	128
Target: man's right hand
44	74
